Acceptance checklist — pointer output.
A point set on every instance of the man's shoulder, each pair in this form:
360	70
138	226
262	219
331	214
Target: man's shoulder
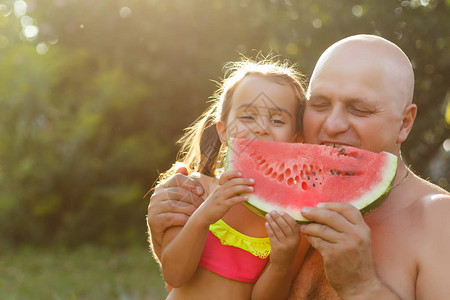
433	243
418	205
435	204
436	207
431	196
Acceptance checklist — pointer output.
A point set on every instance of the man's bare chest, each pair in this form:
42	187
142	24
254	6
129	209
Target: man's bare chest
394	257
311	282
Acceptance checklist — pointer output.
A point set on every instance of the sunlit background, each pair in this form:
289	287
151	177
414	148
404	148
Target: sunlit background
95	93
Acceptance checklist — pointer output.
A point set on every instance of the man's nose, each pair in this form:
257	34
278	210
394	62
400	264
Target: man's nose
336	122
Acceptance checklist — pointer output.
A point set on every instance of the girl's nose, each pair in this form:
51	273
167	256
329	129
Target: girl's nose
261	127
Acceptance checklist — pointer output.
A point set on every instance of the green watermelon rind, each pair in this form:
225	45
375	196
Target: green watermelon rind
365	205
302	220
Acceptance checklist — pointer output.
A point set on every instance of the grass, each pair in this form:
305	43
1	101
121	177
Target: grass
88	272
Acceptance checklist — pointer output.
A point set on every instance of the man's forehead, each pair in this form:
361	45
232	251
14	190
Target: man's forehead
350	80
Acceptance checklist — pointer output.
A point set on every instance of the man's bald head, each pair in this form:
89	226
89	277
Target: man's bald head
388	63
360	95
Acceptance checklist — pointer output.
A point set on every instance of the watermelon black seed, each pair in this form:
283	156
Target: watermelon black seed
314	185
332	172
338	172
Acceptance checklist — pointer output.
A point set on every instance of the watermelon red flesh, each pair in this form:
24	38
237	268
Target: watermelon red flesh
291	176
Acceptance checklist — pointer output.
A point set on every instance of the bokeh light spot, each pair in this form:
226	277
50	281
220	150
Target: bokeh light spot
20	8
42	48
125	12
292	49
53	41
30	31
317	23
5	10
357	11
446	145
26	21
447	111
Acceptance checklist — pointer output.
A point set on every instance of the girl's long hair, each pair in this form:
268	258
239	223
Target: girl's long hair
202	150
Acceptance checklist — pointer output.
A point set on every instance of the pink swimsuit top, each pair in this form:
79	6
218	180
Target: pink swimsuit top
234	255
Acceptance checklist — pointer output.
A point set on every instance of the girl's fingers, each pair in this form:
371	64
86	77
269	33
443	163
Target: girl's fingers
270	232
238	181
237	199
236	190
286	223
233	178
226	176
291	222
273	220
237	186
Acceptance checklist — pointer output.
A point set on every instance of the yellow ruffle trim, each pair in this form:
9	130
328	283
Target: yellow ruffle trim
228	236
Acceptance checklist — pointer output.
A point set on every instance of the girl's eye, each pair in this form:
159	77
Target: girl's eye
247	118
278	121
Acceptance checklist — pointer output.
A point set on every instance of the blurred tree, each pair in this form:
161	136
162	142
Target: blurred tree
94	94
76	148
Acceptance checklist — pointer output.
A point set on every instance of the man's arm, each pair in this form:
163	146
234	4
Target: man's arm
171	205
344	241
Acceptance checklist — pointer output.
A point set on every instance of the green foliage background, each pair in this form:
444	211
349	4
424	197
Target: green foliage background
86	124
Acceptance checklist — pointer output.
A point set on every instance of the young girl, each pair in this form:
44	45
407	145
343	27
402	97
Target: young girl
223	249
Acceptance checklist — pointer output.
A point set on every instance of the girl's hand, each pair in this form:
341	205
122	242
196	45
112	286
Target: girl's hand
227	194
284	235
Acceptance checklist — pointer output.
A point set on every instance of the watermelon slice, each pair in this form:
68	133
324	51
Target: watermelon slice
290	176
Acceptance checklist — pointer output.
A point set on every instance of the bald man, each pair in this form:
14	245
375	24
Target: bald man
360	94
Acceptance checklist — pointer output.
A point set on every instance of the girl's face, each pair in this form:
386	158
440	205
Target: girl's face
261	109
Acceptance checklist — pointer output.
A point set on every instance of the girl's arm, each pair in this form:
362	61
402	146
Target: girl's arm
286	257
181	251
182	247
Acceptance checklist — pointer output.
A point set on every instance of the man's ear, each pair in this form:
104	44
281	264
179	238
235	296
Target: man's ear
222	131
409	115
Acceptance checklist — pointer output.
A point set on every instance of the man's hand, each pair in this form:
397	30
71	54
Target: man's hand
344	241
171	204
